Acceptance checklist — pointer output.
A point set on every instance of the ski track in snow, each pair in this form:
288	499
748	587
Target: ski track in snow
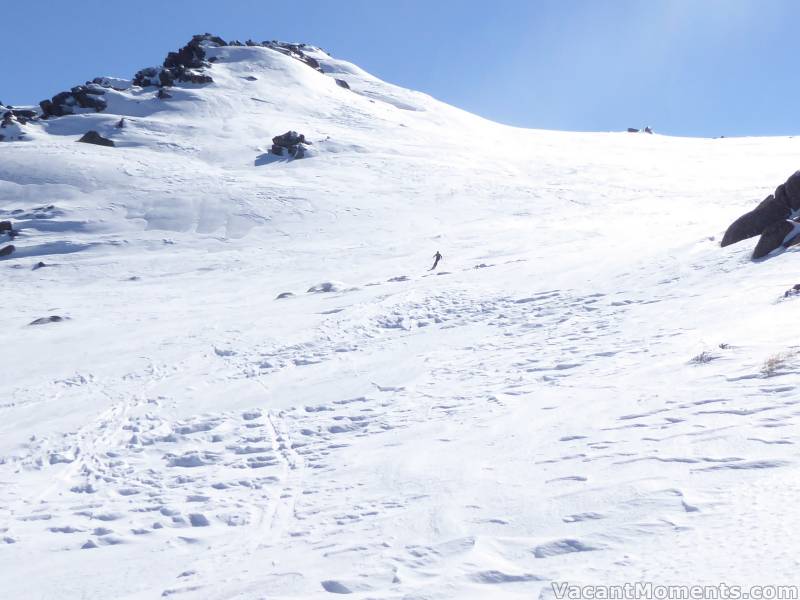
572	396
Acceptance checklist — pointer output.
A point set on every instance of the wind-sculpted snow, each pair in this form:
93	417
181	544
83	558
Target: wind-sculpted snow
233	377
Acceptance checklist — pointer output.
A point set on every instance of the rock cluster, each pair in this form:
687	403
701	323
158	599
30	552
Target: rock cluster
290	143
89	96
186	65
183	65
12	121
296	51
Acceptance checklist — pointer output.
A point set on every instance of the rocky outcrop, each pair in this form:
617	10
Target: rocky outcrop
92	137
296	51
342	83
88	97
771	211
290	143
12	122
185	65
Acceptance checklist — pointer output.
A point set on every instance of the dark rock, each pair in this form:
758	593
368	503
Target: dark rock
772	238
166	78
39	265
80	96
292	142
251	78
342	83
45	320
163	95
284	295
121	123
28	114
295	51
6	226
648	130
756	221
632	130
146	77
7	250
47	107
774	209
19	114
289	139
178	65
92	137
191	77
794	291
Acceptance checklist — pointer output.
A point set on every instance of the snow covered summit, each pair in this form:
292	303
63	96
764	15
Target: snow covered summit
231	374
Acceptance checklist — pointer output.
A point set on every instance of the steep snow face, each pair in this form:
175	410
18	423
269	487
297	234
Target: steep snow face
586	390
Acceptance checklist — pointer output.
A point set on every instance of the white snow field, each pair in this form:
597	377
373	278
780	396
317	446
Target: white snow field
588	389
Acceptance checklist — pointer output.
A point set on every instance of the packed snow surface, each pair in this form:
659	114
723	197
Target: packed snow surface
587	389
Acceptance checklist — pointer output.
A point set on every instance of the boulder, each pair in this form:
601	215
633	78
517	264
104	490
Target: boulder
632	130
291	143
81	96
92	137
648	130
342	83
5	251
163	94
6	226
773	210
289	139
166	78
773	237
146	77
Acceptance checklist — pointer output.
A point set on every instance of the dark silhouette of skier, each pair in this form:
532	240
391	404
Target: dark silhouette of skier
436	258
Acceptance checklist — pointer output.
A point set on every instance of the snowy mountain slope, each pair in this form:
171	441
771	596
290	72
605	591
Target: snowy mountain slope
530	412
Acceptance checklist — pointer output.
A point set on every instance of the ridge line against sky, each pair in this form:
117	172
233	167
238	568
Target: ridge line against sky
697	68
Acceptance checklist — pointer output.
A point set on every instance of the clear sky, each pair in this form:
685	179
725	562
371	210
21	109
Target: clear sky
685	67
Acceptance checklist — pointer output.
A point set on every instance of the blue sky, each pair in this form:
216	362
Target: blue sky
685	67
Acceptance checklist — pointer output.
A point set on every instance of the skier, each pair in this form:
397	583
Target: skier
436	258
